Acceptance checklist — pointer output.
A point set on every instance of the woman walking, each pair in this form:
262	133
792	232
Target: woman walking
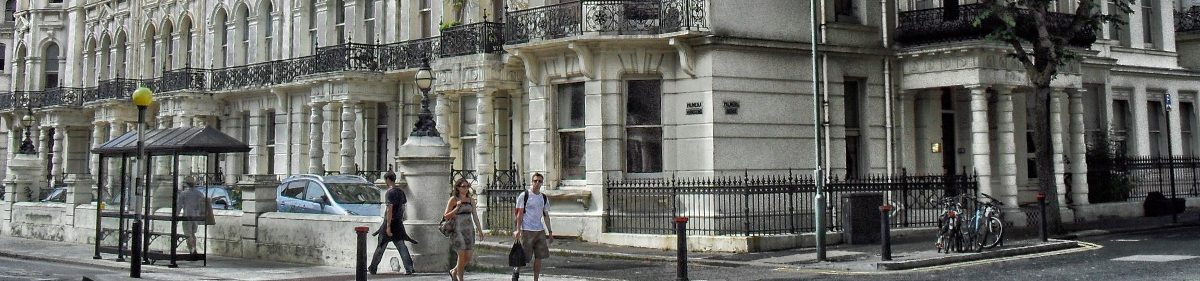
461	210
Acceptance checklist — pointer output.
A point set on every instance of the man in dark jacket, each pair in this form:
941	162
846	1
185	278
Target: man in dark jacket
393	227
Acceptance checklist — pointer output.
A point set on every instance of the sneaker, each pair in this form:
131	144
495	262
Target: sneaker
372	270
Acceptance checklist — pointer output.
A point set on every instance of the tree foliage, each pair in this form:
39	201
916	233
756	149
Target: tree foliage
1044	42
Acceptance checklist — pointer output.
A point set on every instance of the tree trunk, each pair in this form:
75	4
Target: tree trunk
1045	155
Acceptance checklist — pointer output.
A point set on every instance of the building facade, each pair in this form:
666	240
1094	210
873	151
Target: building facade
588	91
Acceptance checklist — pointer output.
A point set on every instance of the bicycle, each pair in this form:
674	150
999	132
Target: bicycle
949	236
972	235
993	231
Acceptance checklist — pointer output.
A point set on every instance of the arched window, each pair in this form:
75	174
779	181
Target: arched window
3	61
120	60
105	57
151	52
267	26
219	31
10	7
186	39
50	75
242	16
168	40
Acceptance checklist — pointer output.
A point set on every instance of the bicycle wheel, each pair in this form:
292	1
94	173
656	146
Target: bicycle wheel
945	237
994	234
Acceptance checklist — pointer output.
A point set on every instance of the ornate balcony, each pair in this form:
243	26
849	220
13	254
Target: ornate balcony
950	24
605	17
1188	21
181	79
62	97
407	55
111	89
476	38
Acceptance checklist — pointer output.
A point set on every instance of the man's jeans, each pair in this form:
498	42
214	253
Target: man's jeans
379	249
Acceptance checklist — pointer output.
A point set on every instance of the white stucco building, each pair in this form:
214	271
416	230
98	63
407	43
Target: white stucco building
587	91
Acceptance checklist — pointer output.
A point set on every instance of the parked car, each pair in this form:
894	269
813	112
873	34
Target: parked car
219	196
336	195
56	194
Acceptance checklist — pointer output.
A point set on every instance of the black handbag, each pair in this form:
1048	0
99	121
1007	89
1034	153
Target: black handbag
516	256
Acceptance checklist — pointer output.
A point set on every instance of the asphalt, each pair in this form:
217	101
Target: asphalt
909	253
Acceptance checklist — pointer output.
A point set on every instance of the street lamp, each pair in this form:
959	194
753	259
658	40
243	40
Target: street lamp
27	144
142	98
425	126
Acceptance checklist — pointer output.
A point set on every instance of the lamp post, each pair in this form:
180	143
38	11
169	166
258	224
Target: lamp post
27	144
142	98
425	126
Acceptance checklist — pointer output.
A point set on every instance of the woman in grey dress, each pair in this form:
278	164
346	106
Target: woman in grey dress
461	209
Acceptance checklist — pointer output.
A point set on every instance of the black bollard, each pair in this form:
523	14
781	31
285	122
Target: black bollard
360	260
886	233
1041	197
135	263
681	233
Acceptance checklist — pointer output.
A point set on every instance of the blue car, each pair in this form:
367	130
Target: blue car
219	197
334	195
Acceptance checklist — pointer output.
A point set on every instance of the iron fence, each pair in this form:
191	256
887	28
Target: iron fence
765	205
63	96
1154	174
407	54
1188	21
112	89
957	23
607	17
476	38
501	197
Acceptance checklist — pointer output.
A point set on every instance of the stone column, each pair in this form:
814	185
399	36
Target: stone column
113	171
348	150
1007	148
425	164
60	133
316	152
1057	139
1078	156
484	144
258	198
442	113
980	142
99	136
907	134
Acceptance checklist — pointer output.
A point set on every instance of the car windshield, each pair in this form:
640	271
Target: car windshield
354	193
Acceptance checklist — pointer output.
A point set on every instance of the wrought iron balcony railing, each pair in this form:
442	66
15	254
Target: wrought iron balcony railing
7	102
408	54
950	24
27	99
62	97
182	79
112	89
1188	21
476	38
604	17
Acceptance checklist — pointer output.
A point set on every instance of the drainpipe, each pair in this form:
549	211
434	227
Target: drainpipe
818	173
887	90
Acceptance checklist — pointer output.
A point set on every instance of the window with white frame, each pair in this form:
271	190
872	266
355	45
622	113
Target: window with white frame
267	23
10	7
468	125
169	47
339	19
846	11
1120	124
1187	117
369	20
270	141
1149	27
1154	116
643	126
244	47
853	94
426	18
312	23
570	115
1119	32
381	136
52	66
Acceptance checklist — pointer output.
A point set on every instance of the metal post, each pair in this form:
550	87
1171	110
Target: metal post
1041	198
681	240
135	268
886	232
122	210
360	259
99	205
1170	160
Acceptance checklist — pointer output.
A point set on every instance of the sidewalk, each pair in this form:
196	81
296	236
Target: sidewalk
907	253
219	268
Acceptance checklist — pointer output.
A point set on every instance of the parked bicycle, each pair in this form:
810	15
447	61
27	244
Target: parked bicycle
949	234
993	230
968	224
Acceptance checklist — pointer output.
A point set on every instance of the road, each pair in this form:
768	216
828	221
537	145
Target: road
21	270
1157	255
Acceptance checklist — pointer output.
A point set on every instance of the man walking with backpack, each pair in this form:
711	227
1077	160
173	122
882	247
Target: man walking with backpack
392	229
533	224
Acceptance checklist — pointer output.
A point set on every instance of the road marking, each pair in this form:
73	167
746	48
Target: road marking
1083	246
1126	240
1155	258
